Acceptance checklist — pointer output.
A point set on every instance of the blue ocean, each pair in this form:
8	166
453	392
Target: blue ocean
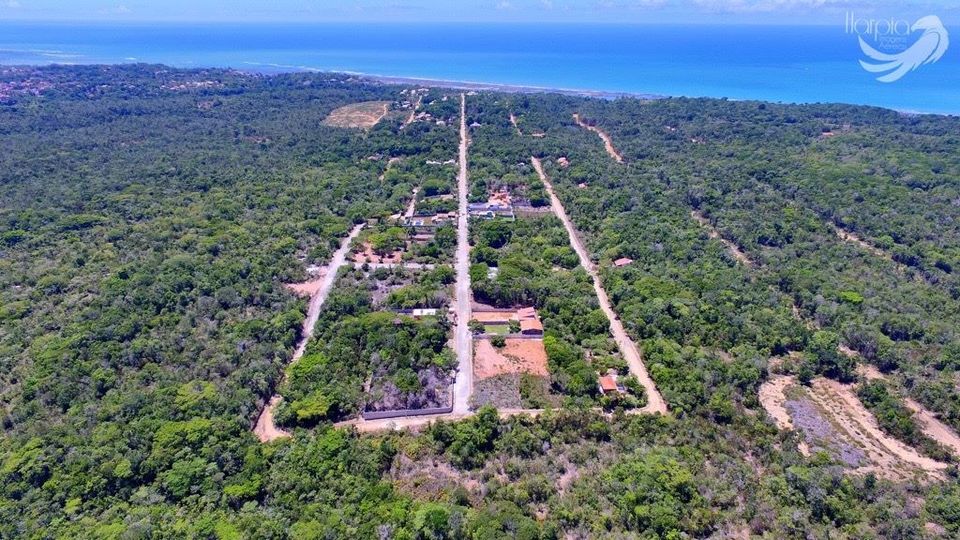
796	64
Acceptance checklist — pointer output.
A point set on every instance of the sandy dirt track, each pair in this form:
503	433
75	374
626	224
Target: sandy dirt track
838	402
513	120
265	430
773	399
463	386
607	141
629	350
929	423
715	234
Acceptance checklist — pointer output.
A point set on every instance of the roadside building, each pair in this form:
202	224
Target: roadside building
610	385
531	327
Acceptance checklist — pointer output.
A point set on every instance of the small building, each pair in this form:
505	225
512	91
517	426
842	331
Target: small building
610	385
526	313
622	261
531	327
424	312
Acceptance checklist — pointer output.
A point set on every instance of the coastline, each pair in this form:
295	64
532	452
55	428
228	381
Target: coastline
500	87
270	68
532	89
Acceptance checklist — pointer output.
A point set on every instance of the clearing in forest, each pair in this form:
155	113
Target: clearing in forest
310	287
518	355
831	418
362	115
607	141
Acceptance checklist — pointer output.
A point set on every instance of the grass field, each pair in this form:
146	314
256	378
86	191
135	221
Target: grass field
498	329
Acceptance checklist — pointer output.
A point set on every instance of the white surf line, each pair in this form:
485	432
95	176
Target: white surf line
265	430
629	350
463	386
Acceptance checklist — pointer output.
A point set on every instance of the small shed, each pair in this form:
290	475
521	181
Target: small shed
531	327
622	261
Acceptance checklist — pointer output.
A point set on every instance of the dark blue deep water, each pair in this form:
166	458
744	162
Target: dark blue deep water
787	64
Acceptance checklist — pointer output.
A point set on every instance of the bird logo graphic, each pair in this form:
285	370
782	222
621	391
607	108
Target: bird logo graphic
927	49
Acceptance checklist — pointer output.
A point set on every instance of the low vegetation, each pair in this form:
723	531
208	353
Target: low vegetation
149	217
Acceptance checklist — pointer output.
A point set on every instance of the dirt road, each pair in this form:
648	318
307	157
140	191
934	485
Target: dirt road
513	120
715	234
607	141
463	386
851	422
413	112
416	422
849	414
655	402
929	423
412	207
265	429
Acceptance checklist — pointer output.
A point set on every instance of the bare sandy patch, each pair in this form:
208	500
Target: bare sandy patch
362	115
517	356
307	288
773	398
930	425
266	430
889	456
841	419
513	121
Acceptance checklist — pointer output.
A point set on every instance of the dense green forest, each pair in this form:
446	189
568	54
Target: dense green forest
149	218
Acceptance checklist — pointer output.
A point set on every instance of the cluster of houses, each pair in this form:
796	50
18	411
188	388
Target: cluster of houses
498	204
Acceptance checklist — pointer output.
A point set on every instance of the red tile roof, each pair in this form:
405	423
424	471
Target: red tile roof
531	324
526	313
607	384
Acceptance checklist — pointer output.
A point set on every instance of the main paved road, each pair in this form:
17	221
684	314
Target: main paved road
265	429
655	402
464	384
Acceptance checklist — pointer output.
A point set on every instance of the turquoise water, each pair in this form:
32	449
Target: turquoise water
787	64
